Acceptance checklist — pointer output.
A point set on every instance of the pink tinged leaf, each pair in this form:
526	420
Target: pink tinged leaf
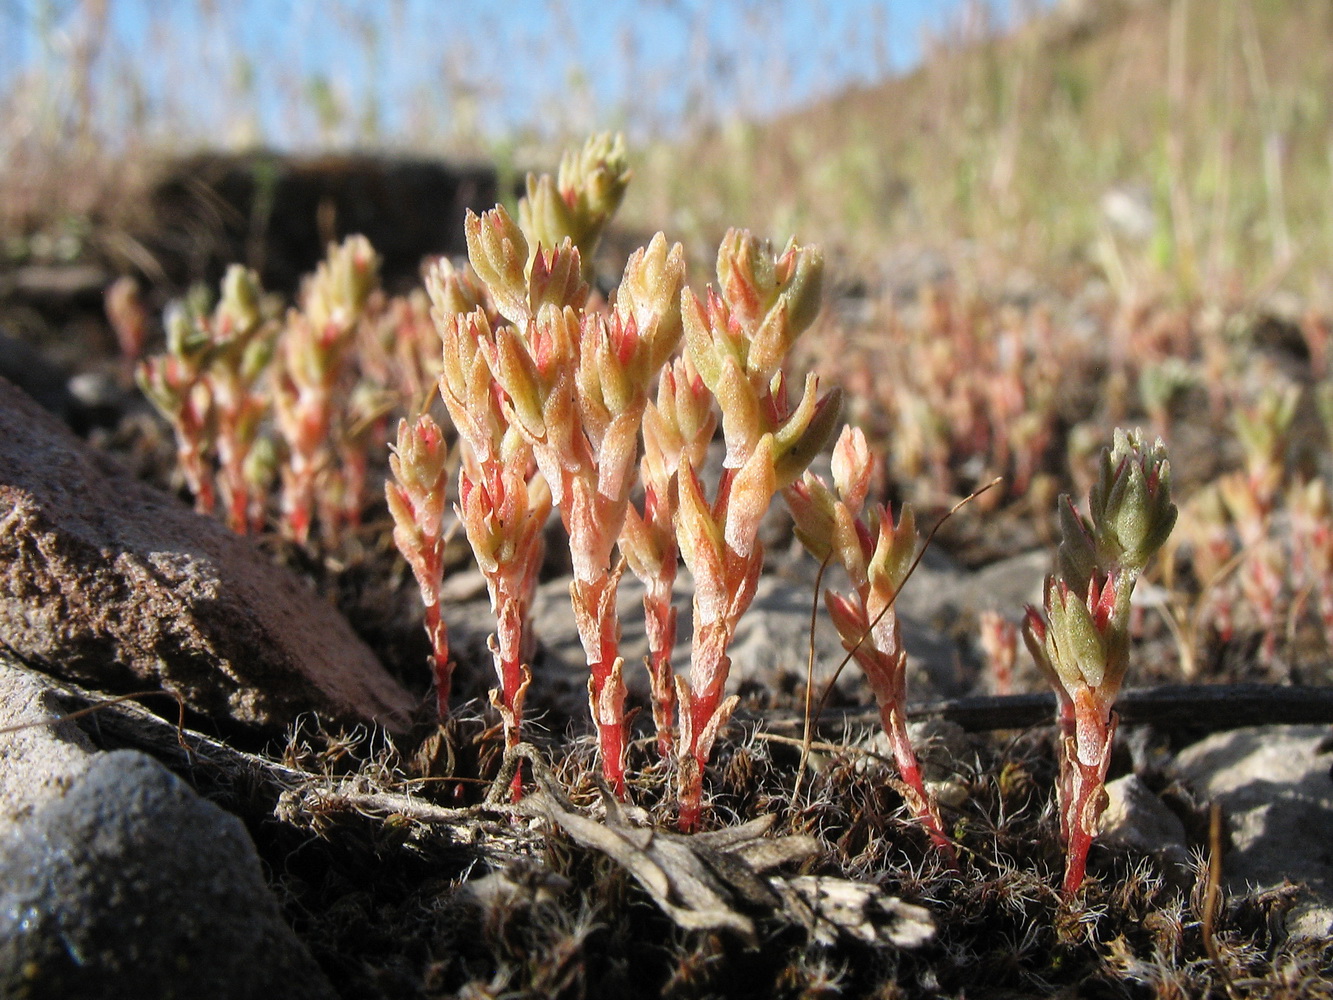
768	345
701	544
400	506
616	458
751	492
741	421
1034	624
708	735
847	615
1101	603
699	338
743	585
517	375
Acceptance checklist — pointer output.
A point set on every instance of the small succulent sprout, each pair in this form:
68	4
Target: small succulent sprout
188	337
877	554
419	463
415	496
679	425
498	253
128	315
649	292
465	382
1081	642
1264	431
579	202
343	282
738	339
240	308
453	290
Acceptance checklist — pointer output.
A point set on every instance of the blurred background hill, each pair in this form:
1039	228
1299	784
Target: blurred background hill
1164	146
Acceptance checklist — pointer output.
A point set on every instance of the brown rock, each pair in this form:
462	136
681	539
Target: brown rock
113	584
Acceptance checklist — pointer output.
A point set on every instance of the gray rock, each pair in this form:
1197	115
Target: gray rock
1138	820
130	885
108	582
944	595
1276	793
38	763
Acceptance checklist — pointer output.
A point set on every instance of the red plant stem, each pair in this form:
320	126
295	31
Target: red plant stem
1085	759
691	801
595	613
441	669
191	460
509	600
660	624
895	727
709	670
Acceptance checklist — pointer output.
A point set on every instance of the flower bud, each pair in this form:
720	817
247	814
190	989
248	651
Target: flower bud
555	278
852	466
238	312
342	284
1131	509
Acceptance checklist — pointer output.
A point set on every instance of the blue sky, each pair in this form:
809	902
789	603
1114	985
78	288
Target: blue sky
295	73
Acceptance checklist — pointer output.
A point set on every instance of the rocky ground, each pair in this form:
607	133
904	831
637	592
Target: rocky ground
289	820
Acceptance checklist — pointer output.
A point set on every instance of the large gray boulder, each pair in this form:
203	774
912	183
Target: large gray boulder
131	885
115	585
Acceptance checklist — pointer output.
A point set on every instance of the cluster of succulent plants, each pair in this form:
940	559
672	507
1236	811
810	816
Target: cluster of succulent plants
601	408
277	415
551	389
